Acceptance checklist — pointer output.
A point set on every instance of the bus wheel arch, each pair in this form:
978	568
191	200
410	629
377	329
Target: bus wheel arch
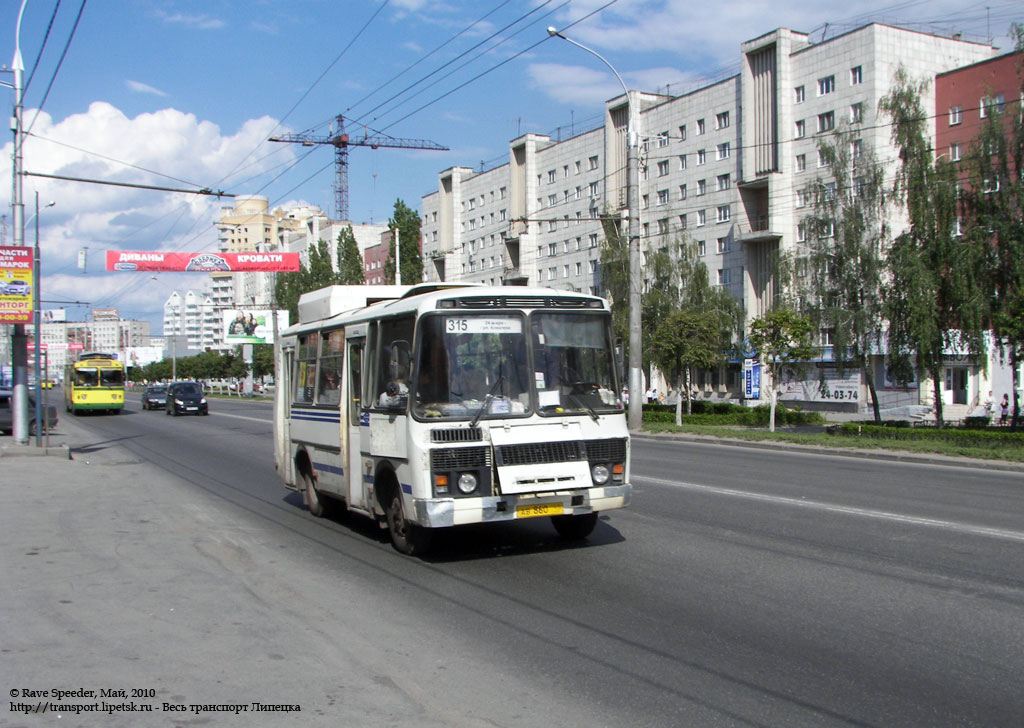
407	537
310	496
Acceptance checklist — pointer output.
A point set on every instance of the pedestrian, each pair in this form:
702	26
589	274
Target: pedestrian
1004	409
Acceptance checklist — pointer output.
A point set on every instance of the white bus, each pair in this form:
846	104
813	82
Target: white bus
438	405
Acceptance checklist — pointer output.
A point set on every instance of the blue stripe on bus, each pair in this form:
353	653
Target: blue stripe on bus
329	468
315	416
407	488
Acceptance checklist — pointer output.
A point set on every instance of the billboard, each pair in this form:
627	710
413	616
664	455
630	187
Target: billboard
15	285
245	326
140	356
155	260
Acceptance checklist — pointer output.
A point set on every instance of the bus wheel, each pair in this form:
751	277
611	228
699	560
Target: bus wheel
575	528
407	537
314	501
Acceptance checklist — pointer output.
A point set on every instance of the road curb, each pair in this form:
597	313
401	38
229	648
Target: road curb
14	450
868	454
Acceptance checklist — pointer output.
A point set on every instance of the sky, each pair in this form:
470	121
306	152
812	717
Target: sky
184	94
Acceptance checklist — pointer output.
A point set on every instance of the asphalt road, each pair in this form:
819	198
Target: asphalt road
742	587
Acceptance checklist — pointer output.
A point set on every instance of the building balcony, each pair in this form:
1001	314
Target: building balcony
756	229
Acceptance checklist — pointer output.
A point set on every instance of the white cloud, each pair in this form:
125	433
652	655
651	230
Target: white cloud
202	22
192	153
573	84
143	88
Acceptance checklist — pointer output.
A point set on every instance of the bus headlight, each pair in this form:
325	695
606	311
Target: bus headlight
600	474
467	483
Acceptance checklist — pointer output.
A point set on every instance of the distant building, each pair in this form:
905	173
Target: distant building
106	331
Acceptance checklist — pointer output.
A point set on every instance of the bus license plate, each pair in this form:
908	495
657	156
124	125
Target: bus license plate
540	509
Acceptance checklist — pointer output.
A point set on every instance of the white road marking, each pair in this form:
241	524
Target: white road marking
243	417
846	510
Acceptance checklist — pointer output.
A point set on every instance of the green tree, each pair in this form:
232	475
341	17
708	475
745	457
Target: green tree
783	340
685	340
317	272
847	240
406	223
351	268
935	299
613	279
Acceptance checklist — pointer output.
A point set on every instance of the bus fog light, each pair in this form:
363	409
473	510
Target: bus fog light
600	474
467	483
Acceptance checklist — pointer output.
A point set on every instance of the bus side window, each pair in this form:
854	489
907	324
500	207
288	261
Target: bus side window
331	362
305	367
355	379
392	390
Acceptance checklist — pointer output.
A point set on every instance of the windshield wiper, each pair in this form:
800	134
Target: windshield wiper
584	405
487	401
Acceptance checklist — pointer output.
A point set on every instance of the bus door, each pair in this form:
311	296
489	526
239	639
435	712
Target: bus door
282	412
352	442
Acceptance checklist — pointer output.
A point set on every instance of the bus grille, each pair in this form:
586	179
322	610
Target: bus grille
457	434
539	452
460	458
606	451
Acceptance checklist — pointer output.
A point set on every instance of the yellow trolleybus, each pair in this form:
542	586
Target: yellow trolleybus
440	405
94	382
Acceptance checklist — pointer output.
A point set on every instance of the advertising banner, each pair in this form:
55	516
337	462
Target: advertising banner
243	326
155	260
829	387
751	379
15	285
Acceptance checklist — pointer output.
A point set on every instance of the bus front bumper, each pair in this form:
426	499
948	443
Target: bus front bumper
443	512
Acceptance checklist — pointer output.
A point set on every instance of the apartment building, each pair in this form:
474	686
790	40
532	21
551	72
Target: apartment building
725	166
964	99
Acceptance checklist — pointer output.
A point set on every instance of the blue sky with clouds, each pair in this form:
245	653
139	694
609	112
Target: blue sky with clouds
184	93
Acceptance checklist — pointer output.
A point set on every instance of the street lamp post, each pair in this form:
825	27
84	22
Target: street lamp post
635	411
37	323
19	353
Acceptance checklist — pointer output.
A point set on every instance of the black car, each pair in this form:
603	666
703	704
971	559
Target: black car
154	397
7	413
186	398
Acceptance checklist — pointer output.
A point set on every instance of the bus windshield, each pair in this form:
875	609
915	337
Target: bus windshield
472	364
573	363
480	365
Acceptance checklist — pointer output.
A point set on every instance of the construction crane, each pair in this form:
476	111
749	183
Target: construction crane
341	141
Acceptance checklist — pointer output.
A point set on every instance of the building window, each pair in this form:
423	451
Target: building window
722	182
723	245
700	127
663	139
702	248
801	233
956	114
502	215
593	189
826	121
645	202
682	192
662	197
682	161
552	273
682	133
723	213
501	193
724	278
682	222
801	162
592	163
798	95
552	200
551	176
722	120
701	157
593	240
702	187
551	249
800	129
723	150
856	76
991	103
826	85
856	113
578	193
663	226
701	217
663	168
955	150
579	268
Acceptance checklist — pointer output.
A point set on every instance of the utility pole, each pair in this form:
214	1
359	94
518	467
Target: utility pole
634	414
19	341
